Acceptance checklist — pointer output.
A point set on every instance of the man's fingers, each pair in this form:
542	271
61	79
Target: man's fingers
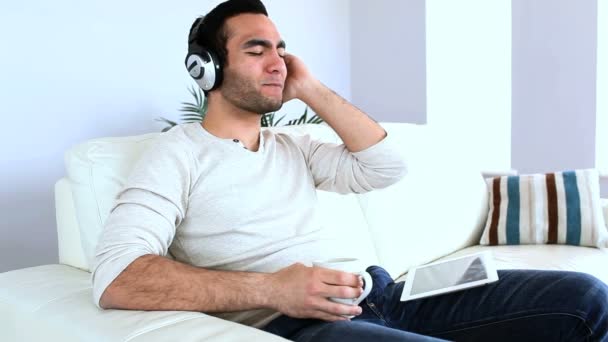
337	309
335	277
340	291
329	317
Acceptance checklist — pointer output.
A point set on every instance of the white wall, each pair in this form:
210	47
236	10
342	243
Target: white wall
468	47
601	131
75	70
515	79
440	62
388	59
554	80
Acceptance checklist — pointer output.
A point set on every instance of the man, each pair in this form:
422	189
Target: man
236	208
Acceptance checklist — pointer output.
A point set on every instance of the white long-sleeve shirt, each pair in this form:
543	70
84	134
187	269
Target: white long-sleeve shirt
214	204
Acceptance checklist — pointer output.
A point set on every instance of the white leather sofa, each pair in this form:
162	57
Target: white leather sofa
438	210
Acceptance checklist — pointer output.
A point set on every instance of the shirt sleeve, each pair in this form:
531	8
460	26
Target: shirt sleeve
334	168
146	212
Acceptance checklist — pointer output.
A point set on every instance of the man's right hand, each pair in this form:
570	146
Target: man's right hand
302	292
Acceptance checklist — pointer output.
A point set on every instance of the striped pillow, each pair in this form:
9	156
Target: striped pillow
552	208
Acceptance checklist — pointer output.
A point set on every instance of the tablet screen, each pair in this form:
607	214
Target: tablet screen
456	272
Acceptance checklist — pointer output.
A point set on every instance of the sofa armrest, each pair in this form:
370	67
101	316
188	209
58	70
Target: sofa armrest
55	303
68	231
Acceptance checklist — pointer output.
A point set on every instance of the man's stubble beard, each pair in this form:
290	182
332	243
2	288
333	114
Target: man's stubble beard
242	93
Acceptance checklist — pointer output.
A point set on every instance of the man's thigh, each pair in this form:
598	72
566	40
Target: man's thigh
538	305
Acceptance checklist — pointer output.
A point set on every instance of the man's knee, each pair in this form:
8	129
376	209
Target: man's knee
591	295
590	290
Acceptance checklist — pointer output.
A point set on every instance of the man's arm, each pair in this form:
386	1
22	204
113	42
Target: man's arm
357	130
365	161
153	282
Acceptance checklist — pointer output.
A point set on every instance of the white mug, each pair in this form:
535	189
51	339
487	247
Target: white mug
351	265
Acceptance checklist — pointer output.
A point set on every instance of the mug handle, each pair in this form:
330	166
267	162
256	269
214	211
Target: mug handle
368	284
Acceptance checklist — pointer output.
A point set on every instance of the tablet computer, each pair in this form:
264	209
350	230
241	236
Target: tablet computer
449	275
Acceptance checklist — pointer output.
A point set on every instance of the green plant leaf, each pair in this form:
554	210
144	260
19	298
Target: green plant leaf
314	119
186	103
203	109
191	114
161	119
197	96
192	118
189	104
190	109
263	121
277	123
268	119
167	121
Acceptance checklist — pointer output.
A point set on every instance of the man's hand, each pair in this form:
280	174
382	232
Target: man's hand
355	128
302	292
298	78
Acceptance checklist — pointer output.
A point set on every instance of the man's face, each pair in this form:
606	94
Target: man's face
255	72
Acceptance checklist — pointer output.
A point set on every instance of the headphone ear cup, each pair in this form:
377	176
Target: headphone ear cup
204	67
219	73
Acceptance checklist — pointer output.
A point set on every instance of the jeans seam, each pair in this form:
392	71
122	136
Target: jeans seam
583	319
373	307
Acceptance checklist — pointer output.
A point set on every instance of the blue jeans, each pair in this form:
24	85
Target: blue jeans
523	305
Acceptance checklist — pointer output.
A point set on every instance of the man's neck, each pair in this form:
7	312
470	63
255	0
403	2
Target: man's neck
228	122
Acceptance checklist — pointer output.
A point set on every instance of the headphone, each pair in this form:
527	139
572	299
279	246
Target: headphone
203	64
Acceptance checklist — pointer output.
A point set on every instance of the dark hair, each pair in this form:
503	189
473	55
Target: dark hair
209	30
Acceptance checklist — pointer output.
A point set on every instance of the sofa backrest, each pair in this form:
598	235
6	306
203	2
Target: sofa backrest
438	208
97	169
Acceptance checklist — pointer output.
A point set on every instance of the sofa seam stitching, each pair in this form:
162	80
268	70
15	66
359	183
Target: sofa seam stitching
160	326
58	298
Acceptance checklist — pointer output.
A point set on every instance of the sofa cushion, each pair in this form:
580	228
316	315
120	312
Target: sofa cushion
555	208
53	303
98	168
